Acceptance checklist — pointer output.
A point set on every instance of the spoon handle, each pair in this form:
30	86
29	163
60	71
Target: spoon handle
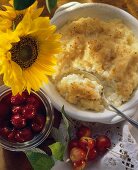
131	121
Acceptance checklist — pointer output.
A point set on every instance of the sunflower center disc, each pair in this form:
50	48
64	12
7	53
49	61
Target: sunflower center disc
25	52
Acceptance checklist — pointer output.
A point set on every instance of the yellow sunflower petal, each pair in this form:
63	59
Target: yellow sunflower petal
10	79
6	38
40	23
8	8
11	2
41	74
27	84
17	71
33	7
24	26
8	14
37	13
35	79
47	69
49	59
31	81
5	23
42	34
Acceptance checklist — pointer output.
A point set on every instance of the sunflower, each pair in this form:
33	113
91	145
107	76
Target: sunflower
29	54
11	17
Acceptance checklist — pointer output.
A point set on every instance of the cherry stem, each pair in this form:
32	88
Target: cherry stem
88	149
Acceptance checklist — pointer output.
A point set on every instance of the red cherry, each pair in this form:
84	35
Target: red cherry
17	100
80	165
4	110
73	143
18	121
103	143
86	143
29	111
25	95
11	136
77	154
24	135
34	101
4	132
83	131
17	110
38	123
92	154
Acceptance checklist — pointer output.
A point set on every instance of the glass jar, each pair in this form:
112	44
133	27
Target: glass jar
38	138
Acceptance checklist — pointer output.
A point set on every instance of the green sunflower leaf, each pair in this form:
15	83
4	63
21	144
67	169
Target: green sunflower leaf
22	4
58	150
51	4
40	161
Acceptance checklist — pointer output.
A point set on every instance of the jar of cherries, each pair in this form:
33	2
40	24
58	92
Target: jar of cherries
25	120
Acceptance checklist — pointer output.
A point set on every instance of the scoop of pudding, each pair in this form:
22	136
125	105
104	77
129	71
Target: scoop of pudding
81	91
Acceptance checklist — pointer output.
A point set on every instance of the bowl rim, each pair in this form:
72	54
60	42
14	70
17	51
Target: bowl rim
81	114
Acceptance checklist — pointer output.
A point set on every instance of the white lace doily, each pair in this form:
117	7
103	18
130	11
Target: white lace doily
123	154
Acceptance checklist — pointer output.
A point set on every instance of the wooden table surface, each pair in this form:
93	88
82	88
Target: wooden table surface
17	160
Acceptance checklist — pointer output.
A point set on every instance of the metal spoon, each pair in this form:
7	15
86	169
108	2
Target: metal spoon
108	103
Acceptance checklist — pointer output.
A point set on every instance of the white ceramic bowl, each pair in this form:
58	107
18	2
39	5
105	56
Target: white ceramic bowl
75	10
